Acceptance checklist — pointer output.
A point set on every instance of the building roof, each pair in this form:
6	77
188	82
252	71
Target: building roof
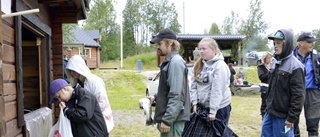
84	37
214	36
93	33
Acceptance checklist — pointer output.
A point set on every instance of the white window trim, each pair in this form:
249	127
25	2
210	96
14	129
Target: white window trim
89	54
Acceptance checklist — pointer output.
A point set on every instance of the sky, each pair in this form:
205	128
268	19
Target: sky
280	14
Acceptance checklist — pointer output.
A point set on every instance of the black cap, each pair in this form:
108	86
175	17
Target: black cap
164	33
305	36
277	35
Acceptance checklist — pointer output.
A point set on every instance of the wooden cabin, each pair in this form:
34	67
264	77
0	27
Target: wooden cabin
189	42
31	56
86	44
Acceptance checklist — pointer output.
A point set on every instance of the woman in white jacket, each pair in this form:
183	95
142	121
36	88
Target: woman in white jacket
79	73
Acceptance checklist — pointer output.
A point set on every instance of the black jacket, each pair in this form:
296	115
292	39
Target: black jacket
85	115
233	72
286	83
263	73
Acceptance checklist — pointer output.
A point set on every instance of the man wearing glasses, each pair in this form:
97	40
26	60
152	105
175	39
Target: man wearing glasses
309	58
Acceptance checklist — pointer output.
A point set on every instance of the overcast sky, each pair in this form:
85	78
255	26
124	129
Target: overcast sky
288	14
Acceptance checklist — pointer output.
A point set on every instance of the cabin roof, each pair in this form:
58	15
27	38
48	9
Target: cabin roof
214	36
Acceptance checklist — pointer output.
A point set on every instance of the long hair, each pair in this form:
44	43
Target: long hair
198	66
175	44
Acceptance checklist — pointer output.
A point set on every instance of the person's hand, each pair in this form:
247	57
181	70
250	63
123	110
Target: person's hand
194	108
151	98
288	124
164	128
62	105
212	117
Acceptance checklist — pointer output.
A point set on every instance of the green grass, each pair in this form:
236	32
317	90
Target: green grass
126	87
123	87
149	62
251	74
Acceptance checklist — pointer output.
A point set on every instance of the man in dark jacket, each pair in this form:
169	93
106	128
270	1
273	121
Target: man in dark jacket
286	94
173	98
81	108
304	53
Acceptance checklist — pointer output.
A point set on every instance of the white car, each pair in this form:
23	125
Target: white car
152	88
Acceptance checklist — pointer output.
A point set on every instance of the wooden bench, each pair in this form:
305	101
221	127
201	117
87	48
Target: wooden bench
111	67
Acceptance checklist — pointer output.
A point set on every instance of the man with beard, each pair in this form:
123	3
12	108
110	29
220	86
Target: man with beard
173	97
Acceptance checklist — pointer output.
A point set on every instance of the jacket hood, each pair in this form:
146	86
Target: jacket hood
217	57
77	64
288	44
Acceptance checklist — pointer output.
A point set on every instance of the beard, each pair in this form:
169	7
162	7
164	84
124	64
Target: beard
160	53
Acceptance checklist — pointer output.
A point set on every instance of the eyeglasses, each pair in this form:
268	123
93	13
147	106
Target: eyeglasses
309	42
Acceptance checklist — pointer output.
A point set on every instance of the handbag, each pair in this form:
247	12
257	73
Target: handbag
62	128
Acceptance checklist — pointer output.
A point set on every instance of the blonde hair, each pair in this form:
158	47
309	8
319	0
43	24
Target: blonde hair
74	81
265	55
198	66
175	44
69	88
212	44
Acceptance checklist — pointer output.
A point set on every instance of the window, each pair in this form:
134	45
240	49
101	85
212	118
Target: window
87	53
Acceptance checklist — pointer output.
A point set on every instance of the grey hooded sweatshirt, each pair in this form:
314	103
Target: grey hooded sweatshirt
211	87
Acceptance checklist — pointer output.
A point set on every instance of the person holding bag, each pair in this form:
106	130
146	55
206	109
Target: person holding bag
80	107
62	128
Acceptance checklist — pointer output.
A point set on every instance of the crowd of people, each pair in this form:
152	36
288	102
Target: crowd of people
289	82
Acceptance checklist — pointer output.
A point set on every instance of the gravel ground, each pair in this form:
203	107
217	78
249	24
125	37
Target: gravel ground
134	121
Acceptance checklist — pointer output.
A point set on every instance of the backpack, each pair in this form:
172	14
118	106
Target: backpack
316	64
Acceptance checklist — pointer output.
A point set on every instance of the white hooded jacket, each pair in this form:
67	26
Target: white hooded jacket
92	83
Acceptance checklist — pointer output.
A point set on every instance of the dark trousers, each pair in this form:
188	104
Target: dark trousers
263	106
311	112
312	127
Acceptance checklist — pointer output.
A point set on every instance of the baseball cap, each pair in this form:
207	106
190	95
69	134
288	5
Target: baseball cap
164	33
67	48
307	37
56	86
277	35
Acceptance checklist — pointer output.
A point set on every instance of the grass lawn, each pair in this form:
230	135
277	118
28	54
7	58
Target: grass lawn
126	87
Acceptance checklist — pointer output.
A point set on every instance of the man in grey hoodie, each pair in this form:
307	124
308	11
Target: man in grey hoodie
173	98
285	96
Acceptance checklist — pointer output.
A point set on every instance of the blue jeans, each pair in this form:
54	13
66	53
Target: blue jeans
273	126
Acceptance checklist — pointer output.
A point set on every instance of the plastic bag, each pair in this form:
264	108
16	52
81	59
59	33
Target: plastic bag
62	128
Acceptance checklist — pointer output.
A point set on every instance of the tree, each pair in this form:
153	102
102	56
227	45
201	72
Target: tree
253	28
214	29
142	20
102	17
316	33
67	35
231	24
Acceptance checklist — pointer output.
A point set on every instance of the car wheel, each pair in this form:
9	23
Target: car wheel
247	64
